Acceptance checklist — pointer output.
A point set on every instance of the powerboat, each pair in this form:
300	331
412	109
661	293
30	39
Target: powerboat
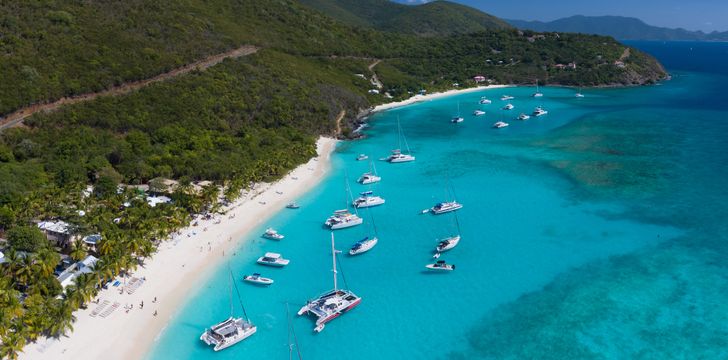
448	243
362	157
273	259
272	234
484	101
539	111
330	304
367	200
500	125
478	112
363	245
508	106
257	279
342	219
398	157
228	333
368	178
507	97
441	265
523	117
292	205
445	207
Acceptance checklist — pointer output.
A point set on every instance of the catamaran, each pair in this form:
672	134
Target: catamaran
508	106
231	331
369	177
523	116
273	259
272	234
539	111
342	219
484	101
458	118
579	94
397	156
507	97
331	304
367	199
478	112
500	124
537	93
362	157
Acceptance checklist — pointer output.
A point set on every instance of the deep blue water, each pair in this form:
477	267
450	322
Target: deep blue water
596	231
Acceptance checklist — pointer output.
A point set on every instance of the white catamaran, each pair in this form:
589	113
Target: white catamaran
457	119
331	304
370	177
368	199
231	331
342	219
397	156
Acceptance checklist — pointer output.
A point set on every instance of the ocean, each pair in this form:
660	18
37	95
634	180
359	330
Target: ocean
597	231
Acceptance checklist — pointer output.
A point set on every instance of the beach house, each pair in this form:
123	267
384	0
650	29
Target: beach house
58	232
84	266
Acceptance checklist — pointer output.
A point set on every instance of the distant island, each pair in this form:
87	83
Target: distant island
619	27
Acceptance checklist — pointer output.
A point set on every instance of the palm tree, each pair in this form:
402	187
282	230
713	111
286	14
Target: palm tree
86	287
12	344
46	261
78	252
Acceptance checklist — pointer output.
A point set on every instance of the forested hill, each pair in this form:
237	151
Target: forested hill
619	27
429	19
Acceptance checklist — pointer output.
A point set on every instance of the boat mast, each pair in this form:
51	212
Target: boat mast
333	258
230	287
399	134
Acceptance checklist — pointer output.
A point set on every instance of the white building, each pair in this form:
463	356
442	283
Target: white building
85	266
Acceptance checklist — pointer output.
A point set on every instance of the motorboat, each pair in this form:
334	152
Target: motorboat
363	245
539	111
272	234
330	304
508	106
484	101
257	279
231	331
478	112
362	157
367	199
292	205
523	117
342	219
441	265
445	207
500	125
507	97
447	243
273	259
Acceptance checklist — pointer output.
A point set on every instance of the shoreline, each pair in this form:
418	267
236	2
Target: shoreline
180	264
421	98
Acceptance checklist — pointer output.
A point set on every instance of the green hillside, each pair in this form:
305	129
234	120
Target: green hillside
430	19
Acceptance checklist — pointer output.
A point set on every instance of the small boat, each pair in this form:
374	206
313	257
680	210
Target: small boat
441	265
273	259
500	125
292	205
539	111
397	156
447	243
362	157
342	219
370	177
367	199
272	234
507	97
484	101
331	304
257	279
457	119
231	331
363	245
478	112
523	117
508	106
445	207
579	95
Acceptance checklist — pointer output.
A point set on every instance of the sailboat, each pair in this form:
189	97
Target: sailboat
537	93
331	304
368	199
449	242
342	219
292	331
579	94
367	243
445	207
369	177
397	156
458	118
231	331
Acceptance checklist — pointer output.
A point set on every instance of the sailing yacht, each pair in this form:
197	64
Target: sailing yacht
500	124
523	116
458	118
537	93
369	177
507	97
478	112
231	331
508	106
539	111
362	157
451	241
368	242
579	94
484	101
342	219
331	304
367	199
397	156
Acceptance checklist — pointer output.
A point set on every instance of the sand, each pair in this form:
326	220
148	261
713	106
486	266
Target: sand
181	263
420	98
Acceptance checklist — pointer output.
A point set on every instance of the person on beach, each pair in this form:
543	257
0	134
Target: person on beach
155	313
155	300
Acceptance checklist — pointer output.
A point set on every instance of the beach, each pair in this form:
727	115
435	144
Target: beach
181	264
420	98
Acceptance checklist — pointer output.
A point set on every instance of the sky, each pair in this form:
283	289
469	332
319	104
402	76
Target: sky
706	15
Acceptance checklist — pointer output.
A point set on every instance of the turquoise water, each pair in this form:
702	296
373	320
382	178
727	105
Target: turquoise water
596	231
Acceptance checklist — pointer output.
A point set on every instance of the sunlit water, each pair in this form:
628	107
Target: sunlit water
596	231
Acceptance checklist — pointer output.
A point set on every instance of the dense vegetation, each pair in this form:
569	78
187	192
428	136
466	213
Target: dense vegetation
245	120
434	18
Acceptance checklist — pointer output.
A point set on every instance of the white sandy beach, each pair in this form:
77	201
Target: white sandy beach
420	98
180	265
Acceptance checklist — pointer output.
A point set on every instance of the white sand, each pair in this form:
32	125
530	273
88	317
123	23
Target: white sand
174	270
428	97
